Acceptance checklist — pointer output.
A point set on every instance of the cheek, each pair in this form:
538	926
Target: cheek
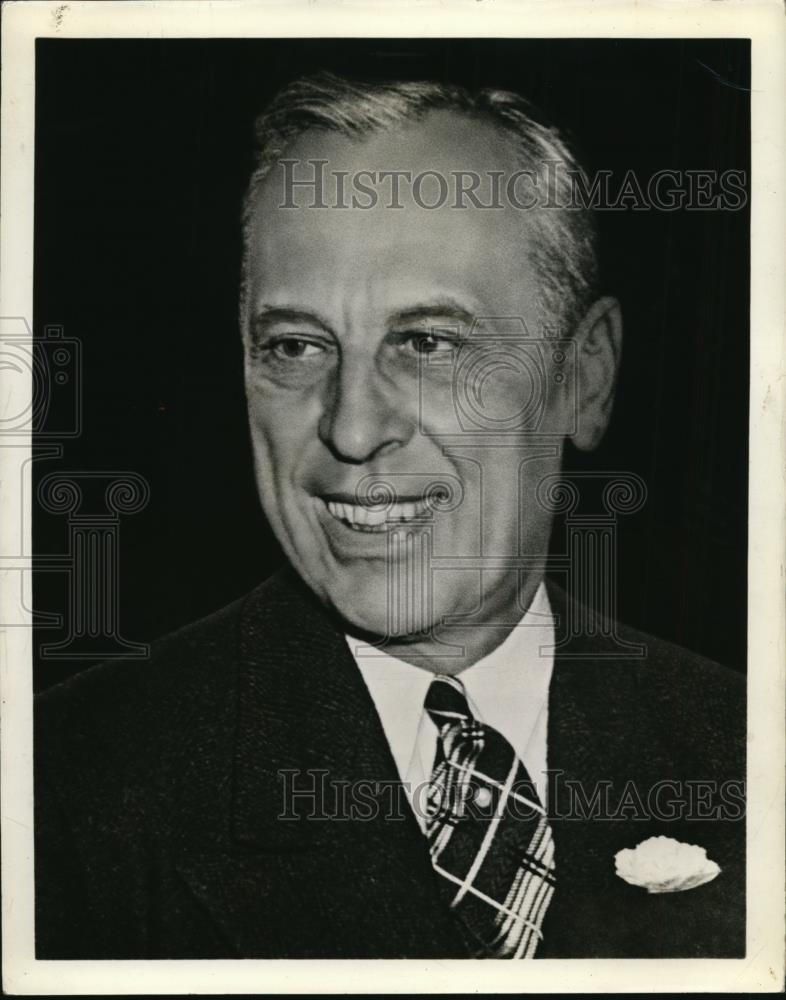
489	390
281	432
433	405
539	482
514	480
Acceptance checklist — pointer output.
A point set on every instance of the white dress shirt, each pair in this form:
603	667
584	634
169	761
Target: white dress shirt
508	689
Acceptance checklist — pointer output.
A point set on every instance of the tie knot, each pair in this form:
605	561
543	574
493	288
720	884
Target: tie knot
446	702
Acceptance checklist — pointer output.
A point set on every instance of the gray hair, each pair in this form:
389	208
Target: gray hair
564	251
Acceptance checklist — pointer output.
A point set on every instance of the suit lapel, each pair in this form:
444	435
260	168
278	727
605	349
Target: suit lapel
323	856
589	754
364	886
601	742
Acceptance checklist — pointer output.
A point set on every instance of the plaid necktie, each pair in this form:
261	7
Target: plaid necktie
487	831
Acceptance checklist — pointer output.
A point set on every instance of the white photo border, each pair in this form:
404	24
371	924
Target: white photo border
763	22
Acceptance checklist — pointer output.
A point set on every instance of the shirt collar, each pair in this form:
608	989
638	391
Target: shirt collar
520	666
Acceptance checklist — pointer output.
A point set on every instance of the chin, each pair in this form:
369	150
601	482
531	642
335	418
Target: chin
367	610
363	609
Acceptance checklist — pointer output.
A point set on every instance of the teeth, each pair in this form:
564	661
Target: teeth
375	519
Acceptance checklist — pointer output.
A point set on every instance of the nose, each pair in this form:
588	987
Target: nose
363	418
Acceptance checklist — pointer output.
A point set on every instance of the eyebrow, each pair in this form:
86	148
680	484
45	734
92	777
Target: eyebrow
267	316
442	309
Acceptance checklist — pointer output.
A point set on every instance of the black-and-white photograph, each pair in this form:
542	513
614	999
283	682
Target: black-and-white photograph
390	497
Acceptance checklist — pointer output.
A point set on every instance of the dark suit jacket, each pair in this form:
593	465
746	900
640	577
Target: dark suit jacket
158	795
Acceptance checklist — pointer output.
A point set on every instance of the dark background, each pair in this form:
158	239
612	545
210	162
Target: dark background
142	152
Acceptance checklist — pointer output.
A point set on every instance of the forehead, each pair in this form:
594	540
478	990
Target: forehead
441	141
397	242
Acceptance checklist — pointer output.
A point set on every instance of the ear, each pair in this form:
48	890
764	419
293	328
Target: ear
598	339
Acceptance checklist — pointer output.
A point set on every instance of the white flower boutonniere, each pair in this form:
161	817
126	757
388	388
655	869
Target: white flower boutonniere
661	864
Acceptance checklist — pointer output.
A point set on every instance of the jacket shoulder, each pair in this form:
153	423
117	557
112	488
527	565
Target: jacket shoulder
123	703
666	672
647	659
651	693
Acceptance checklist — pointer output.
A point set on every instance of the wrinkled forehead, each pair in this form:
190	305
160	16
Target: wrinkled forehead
416	197
436	149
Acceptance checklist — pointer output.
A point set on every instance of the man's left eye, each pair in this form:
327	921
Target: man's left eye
430	343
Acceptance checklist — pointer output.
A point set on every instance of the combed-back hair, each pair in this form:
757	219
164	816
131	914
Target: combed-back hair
563	247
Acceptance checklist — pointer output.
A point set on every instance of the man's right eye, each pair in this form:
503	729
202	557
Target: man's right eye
293	348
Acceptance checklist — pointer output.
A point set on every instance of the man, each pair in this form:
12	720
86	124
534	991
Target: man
402	745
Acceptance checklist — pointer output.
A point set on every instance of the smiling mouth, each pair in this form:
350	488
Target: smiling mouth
359	517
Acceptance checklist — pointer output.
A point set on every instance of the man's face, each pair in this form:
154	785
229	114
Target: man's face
378	349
